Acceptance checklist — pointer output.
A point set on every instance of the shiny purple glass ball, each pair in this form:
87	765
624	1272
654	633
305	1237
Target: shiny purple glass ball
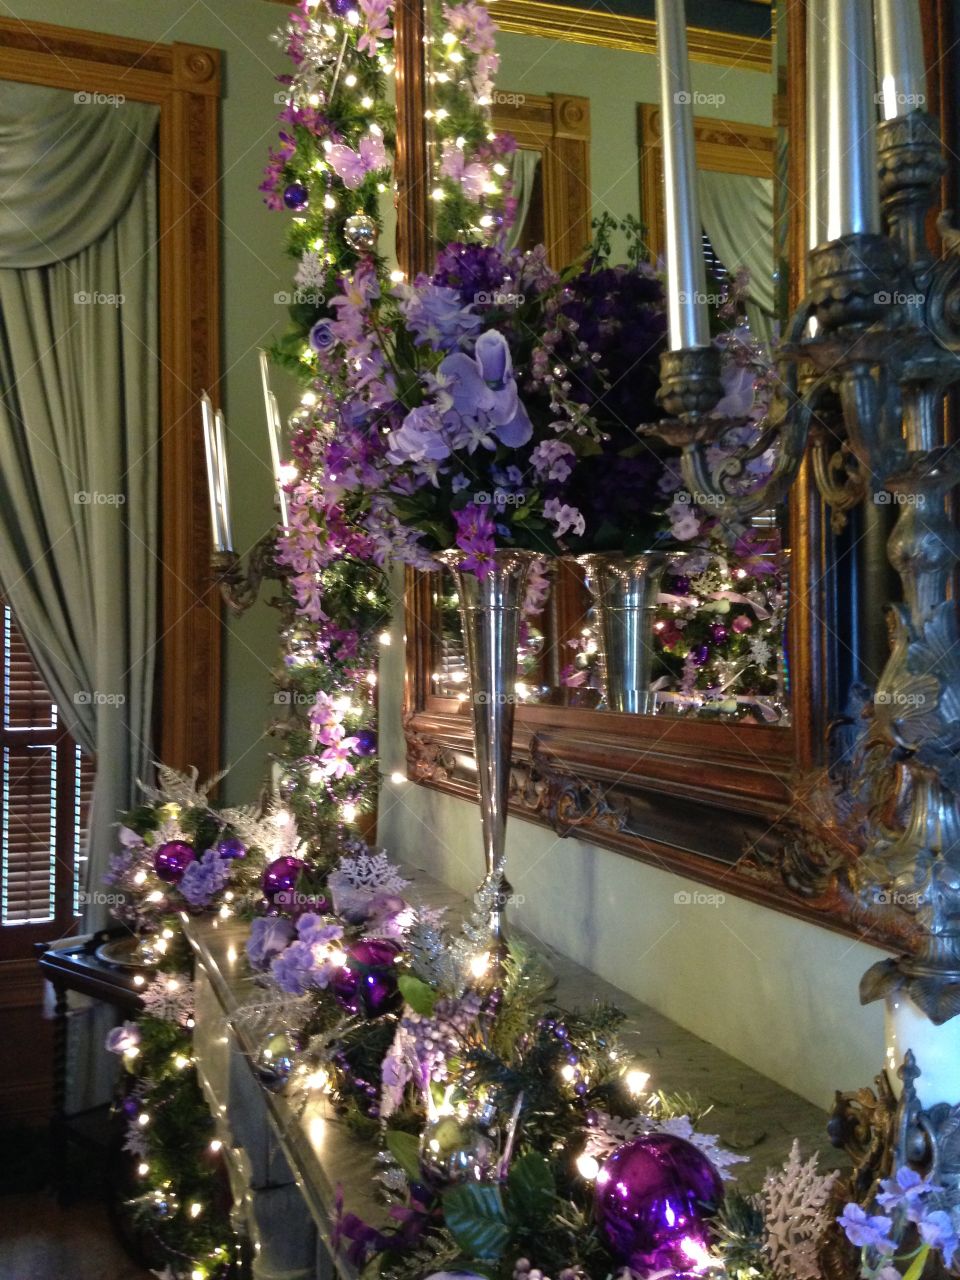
296	197
680	586
172	859
718	632
341	7
366	744
699	654
367	983
281	875
651	1195
231	847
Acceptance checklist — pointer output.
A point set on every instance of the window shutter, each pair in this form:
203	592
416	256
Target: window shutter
28	829
27	703
45	789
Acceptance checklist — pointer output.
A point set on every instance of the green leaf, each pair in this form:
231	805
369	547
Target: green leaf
475	1217
531	1189
419	996
405	1149
915	1270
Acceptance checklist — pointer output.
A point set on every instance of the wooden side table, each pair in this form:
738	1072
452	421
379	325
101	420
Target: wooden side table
77	968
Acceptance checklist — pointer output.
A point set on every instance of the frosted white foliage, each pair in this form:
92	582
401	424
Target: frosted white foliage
178	788
373	871
611	1132
795	1203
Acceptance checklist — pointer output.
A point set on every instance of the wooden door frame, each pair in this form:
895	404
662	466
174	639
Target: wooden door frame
184	81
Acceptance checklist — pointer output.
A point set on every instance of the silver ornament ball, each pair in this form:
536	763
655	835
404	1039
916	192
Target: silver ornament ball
275	1060
360	232
454	1151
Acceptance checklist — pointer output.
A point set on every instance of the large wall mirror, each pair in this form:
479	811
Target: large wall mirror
724	759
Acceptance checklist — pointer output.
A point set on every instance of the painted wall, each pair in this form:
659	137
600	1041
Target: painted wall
254	270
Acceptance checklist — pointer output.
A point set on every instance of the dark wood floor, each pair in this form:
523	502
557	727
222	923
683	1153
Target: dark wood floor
41	1241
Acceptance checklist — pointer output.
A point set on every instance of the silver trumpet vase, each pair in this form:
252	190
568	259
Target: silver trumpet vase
624	590
490	610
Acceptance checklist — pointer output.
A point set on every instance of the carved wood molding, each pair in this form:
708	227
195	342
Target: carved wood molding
184	80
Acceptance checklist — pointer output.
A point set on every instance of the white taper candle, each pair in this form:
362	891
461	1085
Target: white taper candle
686	273
273	434
818	113
213	471
224	482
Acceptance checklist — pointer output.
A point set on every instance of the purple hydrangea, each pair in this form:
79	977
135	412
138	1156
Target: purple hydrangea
436	317
310	961
205	878
293	969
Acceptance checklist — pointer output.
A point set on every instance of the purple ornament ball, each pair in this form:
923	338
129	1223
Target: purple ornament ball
718	632
231	847
366	742
172	859
680	586
340	8
296	197
281	876
651	1195
699	654
367	983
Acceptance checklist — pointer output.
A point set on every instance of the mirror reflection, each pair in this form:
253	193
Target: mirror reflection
666	604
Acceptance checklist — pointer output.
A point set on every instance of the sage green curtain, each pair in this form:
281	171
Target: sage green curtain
737	214
79	422
523	173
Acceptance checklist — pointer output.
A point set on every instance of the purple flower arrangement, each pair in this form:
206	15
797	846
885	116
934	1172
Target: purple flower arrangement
476	408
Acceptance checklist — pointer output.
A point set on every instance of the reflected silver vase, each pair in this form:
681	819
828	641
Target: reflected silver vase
490	612
624	590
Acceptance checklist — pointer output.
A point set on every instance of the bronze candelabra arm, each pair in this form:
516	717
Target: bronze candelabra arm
690	392
240	584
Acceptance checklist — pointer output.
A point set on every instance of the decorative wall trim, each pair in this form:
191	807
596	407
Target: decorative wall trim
794	855
184	80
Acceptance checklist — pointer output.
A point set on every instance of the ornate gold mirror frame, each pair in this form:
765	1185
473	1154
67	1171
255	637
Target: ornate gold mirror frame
184	80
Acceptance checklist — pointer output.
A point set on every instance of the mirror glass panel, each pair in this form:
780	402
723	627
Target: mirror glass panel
710	602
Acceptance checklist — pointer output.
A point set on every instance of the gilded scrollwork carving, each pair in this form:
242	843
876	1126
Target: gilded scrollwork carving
427	761
568	804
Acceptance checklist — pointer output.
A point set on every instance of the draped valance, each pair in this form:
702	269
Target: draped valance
69	166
